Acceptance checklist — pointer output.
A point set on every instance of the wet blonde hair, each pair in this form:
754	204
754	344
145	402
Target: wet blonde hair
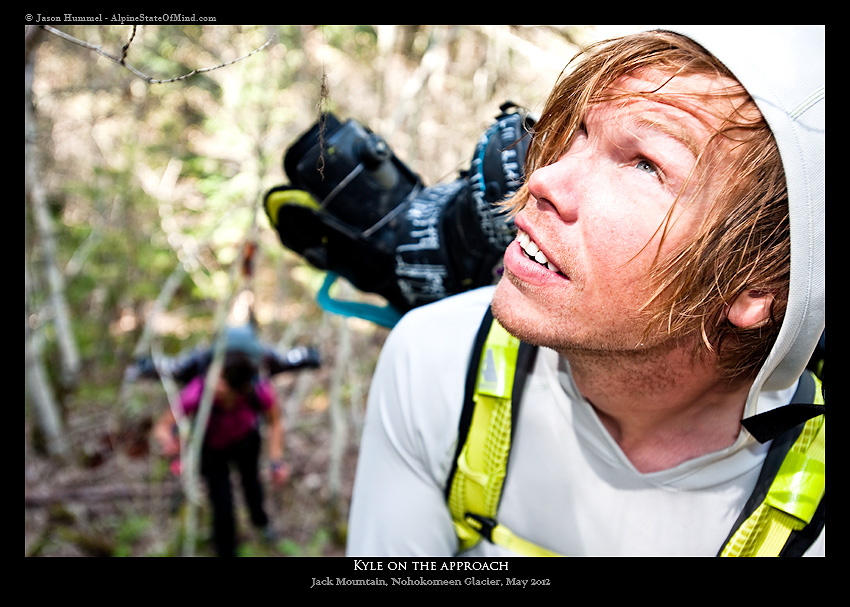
743	244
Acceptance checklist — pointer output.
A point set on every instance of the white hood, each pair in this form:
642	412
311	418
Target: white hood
782	68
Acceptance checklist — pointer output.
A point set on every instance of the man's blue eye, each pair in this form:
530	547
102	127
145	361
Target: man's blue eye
645	165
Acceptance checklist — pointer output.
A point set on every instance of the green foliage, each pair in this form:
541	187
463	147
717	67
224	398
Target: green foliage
356	40
147	179
130	531
315	547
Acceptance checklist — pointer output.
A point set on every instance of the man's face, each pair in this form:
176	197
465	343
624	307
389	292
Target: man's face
597	215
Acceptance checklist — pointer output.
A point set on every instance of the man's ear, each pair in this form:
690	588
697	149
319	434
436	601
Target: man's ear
750	309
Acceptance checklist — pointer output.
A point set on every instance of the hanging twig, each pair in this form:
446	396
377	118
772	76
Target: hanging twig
122	60
323	123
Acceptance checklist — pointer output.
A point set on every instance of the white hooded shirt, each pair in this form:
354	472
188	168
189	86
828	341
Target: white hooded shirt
569	486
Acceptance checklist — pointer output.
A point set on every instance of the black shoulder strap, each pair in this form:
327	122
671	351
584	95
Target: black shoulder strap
783	427
525	361
468	401
772	424
256	405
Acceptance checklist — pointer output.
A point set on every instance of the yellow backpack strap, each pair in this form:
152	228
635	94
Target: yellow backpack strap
785	514
494	385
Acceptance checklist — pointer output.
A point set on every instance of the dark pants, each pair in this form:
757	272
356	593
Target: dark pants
215	468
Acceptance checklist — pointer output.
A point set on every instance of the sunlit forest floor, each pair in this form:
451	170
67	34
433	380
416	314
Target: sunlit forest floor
121	499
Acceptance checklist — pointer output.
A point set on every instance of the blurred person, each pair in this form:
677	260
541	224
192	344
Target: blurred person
242	399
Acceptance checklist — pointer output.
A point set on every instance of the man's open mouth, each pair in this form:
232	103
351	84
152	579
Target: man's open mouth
532	251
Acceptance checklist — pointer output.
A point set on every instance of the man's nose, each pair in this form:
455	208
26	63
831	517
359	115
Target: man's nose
560	185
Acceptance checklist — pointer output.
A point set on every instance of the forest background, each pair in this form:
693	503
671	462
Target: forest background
143	189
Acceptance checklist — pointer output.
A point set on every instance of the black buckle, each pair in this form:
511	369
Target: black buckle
486	525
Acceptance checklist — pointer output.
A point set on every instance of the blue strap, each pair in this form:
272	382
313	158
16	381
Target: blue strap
386	316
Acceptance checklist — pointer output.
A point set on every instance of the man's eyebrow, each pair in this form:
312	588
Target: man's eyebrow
673	129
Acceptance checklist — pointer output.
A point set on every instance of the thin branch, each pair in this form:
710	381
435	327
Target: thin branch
122	59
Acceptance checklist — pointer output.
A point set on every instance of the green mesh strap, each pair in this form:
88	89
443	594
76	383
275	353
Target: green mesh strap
482	463
793	497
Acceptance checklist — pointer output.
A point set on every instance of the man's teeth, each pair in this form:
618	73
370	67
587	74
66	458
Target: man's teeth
533	251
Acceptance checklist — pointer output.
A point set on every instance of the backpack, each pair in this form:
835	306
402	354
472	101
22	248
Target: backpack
782	517
366	217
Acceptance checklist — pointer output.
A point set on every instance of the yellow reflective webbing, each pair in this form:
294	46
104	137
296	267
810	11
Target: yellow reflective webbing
504	537
790	504
792	498
482	463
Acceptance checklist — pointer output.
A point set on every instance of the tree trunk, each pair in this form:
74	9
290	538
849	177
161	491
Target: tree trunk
37	197
37	387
